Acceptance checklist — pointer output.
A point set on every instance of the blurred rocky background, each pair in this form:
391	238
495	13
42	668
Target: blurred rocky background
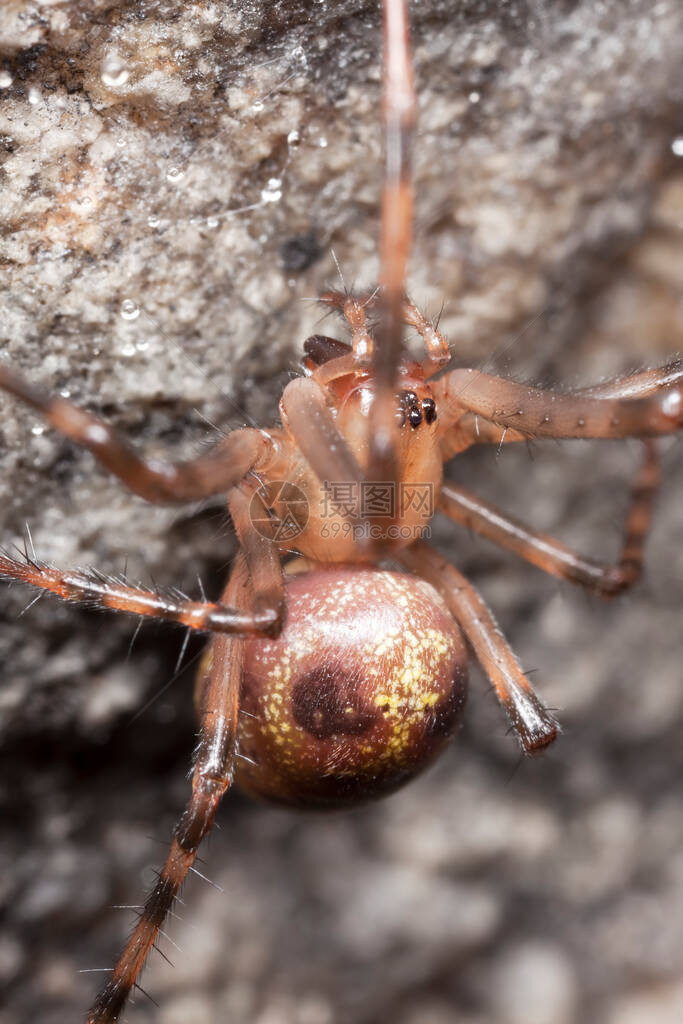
174	179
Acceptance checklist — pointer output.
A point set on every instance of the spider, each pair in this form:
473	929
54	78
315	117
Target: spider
351	675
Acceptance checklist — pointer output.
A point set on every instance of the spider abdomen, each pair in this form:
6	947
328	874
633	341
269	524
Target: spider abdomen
358	694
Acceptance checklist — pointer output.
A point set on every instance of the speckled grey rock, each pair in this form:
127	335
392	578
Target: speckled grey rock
174	178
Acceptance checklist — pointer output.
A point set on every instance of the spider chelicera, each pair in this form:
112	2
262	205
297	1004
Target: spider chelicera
352	675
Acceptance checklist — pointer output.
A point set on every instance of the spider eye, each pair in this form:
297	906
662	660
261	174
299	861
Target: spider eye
429	409
410	408
408	398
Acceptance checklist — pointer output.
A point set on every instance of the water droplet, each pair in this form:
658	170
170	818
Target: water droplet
293	138
273	191
474	97
672	404
174	174
33	95
128	350
153	220
120	143
677	146
38	429
212	222
257	105
114	72
322	142
298	53
129	310
5	79
65	393
142	345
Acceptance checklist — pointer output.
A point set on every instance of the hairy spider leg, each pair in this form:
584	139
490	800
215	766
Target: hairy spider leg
103	592
387	350
216	472
211	777
395	235
100	591
354	310
471	428
609	411
551	555
438	353
535	726
306	415
262	554
637	385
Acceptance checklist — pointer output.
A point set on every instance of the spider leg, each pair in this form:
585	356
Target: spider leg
308	419
471	428
160	482
637	385
395	234
645	405
99	591
211	777
353	308
263	559
362	345
535	726
438	353
551	555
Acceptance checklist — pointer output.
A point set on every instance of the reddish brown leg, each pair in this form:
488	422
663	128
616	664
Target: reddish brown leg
535	726
362	345
342	359
307	417
549	554
395	234
263	559
156	481
606	411
638	385
353	308
213	770
107	592
98	591
471	428
438	353
395	242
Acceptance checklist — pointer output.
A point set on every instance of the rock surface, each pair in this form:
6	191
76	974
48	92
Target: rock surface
174	178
